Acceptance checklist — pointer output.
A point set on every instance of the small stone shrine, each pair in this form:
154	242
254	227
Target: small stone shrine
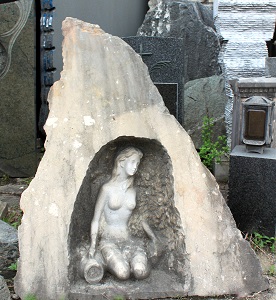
121	204
252	169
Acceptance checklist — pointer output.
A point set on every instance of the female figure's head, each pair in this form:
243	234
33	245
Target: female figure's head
127	162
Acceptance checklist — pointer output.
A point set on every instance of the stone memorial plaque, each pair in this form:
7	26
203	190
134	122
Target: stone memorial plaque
165	60
18	155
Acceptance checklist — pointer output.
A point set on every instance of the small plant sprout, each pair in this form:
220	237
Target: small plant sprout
210	151
263	242
13	267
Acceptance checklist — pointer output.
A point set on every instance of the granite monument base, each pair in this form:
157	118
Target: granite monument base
252	190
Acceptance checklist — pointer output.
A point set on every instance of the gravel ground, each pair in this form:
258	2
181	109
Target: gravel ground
10	192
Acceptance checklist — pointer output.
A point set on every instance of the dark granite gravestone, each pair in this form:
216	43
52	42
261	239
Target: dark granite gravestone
252	190
18	156
165	60
193	22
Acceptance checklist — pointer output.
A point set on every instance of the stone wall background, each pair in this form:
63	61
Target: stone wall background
247	25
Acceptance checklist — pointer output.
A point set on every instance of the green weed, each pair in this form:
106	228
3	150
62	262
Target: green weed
210	151
272	270
28	180
119	298
30	297
13	267
5	179
13	218
263	242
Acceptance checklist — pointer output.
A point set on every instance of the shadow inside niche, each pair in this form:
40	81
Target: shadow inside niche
155	204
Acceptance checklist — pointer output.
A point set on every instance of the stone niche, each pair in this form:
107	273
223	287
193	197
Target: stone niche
104	102
155	204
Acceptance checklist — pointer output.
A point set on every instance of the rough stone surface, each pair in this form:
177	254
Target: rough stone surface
248	87
17	106
246	25
270	66
206	97
115	101
8	249
253	210
193	22
165	59
3	209
4	290
11	193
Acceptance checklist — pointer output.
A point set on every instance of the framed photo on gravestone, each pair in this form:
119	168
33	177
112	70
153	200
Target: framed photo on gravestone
165	60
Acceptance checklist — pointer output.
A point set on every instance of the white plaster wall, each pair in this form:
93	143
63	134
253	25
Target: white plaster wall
247	25
120	18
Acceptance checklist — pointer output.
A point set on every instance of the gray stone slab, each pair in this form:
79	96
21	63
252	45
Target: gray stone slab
252	190
160	285
8	249
164	58
206	97
237	20
3	209
270	65
17	106
193	22
4	290
13	189
11	200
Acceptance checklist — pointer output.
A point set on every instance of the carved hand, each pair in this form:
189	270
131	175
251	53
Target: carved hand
91	252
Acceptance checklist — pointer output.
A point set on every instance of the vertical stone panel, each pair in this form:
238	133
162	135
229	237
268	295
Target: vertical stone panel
17	104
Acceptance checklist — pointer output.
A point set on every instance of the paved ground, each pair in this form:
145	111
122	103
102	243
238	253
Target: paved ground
11	191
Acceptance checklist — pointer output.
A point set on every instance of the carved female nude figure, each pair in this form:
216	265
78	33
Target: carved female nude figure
122	254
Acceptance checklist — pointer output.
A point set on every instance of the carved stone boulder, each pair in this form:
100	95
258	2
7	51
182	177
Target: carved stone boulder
104	103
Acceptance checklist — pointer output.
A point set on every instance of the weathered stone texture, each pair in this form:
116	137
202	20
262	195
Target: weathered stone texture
4	290
270	65
206	97
105	94
193	22
8	249
246	25
17	106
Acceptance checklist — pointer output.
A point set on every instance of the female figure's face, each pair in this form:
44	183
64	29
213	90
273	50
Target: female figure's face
130	164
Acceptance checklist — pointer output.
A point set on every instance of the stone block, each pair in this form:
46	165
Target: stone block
270	66
3	209
237	20
221	170
4	290
206	97
17	106
193	22
164	58
8	249
252	190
